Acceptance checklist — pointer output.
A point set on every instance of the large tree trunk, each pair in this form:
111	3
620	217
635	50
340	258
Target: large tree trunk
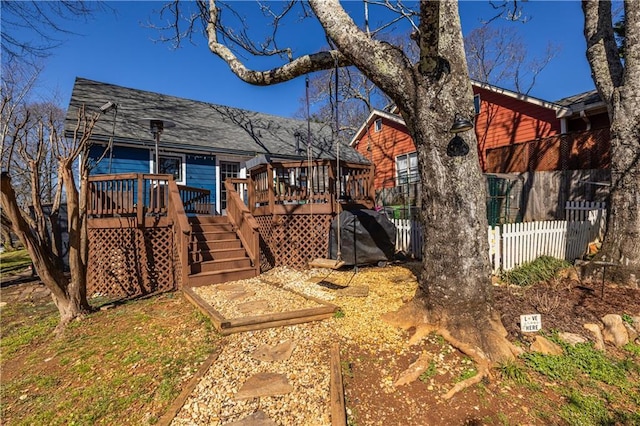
65	293
619	88
455	288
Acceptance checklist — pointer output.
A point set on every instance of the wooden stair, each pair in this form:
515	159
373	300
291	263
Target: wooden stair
216	252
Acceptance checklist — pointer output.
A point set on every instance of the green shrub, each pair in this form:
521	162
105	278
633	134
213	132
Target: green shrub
529	273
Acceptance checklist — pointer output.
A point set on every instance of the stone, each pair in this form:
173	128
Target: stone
636	323
631	332
259	418
230	287
264	384
572	338
354	291
280	352
414	370
239	295
598	340
545	346
256	306
614	330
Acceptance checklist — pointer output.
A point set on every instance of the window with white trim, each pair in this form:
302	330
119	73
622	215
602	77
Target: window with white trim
407	168
172	165
378	125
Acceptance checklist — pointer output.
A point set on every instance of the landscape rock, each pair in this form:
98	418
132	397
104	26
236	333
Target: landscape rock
414	370
253	307
259	418
636	323
264	384
614	330
572	338
598	342
280	352
631	331
545	346
354	291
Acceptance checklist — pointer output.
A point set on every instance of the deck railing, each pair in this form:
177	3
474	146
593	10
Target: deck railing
141	194
181	229
299	187
244	222
128	194
195	200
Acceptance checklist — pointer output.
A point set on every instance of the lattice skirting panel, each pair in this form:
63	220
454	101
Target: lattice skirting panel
130	262
293	240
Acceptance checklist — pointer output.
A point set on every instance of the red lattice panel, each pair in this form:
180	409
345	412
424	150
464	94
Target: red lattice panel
293	240
130	262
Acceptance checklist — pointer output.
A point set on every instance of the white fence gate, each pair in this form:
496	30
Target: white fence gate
408	237
513	244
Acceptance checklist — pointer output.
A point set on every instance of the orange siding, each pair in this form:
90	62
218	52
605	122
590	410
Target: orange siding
382	148
504	120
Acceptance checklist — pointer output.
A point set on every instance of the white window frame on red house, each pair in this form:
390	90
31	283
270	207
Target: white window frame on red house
407	168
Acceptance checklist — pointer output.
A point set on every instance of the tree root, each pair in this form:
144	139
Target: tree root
476	355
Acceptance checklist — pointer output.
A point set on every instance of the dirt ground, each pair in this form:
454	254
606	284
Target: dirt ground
565	305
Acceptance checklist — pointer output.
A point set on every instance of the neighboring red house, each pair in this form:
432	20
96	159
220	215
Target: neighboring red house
516	133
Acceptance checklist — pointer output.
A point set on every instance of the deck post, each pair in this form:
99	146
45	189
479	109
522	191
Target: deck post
140	201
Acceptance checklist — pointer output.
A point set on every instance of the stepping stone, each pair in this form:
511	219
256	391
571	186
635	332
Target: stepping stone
230	287
264	384
256	306
259	418
354	291
239	295
280	352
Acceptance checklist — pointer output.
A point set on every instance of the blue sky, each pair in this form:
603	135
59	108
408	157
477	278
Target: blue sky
116	47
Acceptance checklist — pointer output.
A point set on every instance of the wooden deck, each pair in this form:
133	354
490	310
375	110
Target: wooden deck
147	234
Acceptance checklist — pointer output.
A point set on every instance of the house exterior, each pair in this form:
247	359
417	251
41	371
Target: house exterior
516	134
207	144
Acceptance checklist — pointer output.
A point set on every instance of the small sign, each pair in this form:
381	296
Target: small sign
530	323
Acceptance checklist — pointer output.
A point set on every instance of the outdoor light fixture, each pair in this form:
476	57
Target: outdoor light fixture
457	147
156	127
108	107
460	124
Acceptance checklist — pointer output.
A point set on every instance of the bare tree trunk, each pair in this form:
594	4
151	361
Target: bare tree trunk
65	293
619	88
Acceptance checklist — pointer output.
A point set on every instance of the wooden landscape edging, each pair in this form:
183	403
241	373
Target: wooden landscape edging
338	411
177	404
228	326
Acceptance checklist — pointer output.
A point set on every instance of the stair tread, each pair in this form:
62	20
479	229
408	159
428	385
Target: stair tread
222	271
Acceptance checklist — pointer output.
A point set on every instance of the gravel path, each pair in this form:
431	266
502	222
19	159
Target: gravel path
307	370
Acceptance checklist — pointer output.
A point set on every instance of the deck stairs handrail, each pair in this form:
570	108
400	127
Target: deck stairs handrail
243	221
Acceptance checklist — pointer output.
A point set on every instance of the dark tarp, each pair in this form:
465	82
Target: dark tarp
367	236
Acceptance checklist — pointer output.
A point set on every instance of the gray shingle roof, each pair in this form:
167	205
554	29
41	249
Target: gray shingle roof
586	98
199	126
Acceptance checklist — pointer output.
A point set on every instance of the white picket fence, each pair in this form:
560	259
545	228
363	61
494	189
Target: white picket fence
512	244
408	237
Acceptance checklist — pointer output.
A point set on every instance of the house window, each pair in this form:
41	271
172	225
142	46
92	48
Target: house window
407	168
228	169
378	125
172	165
476	103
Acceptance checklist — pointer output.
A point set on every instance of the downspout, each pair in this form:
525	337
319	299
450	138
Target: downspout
585	118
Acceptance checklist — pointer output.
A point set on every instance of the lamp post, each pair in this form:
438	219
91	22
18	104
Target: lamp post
156	127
